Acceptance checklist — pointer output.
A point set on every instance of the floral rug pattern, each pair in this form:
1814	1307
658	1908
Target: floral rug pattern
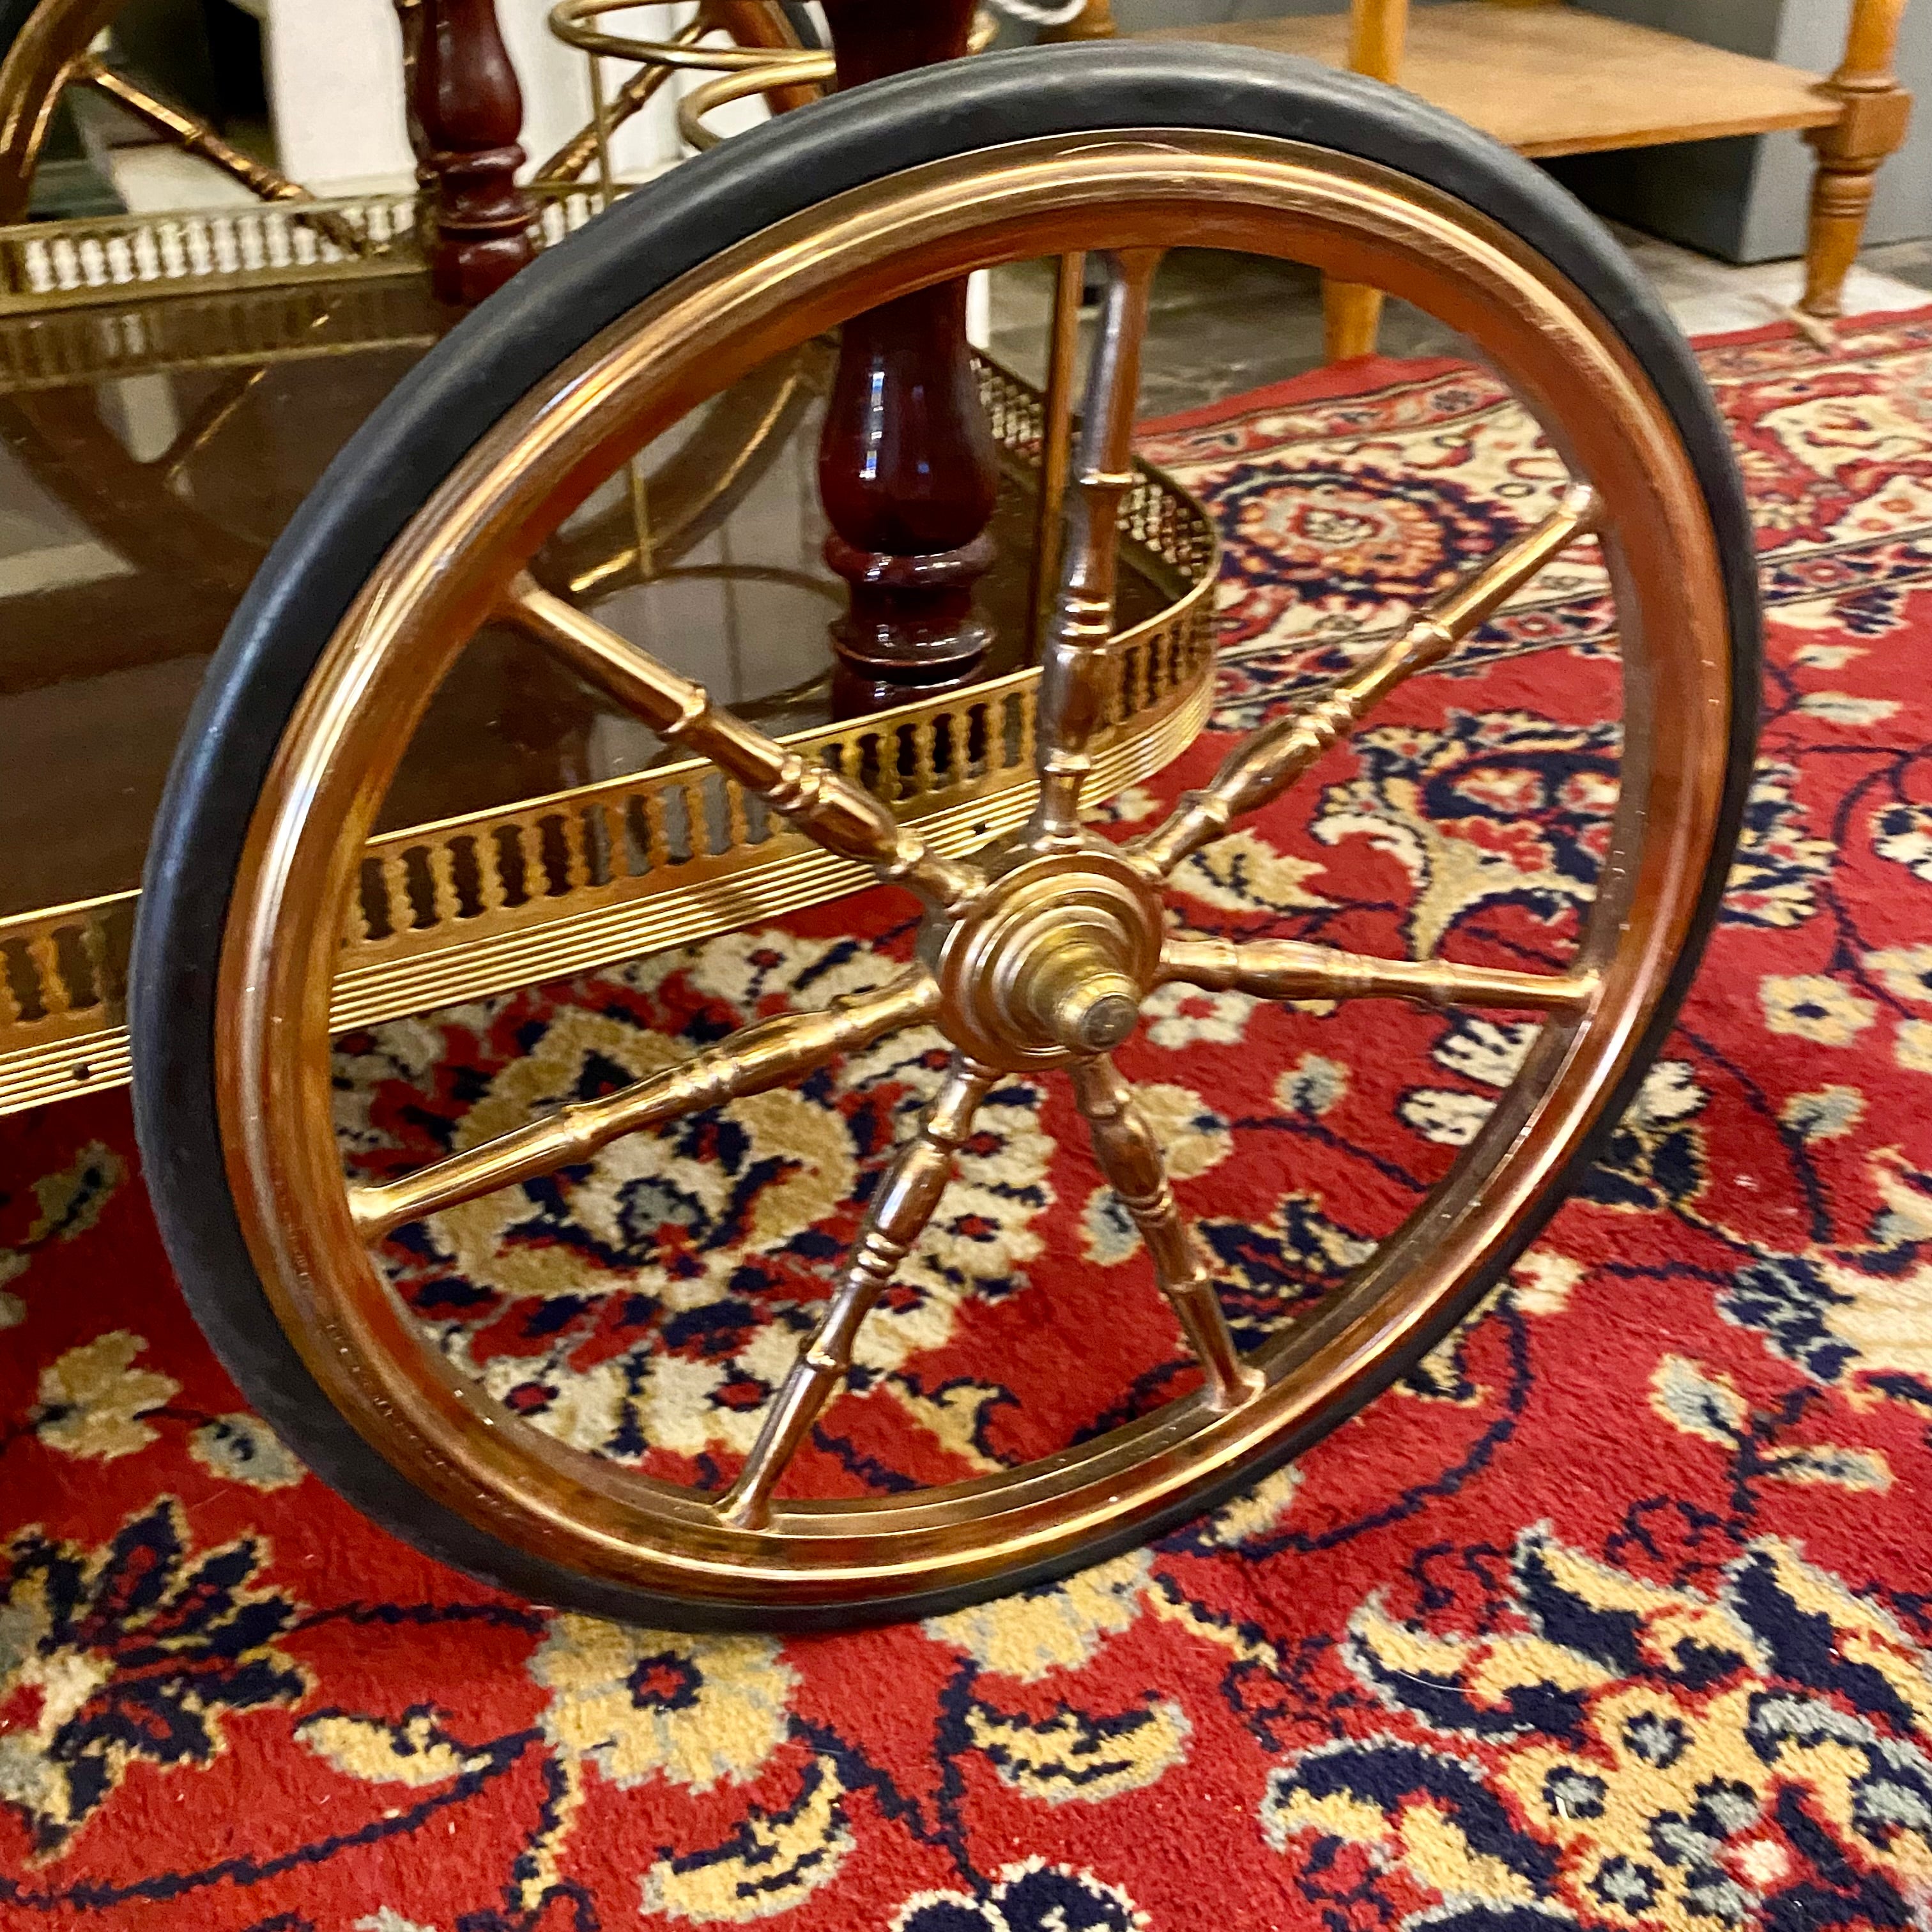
1617	1612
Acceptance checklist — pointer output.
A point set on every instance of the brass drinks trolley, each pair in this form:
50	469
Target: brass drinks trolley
1038	940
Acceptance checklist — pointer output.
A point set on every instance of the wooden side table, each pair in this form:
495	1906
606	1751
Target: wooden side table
1549	79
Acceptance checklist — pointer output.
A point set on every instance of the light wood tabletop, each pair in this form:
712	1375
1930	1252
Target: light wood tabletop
1555	80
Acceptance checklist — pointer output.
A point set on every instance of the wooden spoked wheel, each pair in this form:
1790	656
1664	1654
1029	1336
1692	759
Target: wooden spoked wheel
40	43
45	47
1035	955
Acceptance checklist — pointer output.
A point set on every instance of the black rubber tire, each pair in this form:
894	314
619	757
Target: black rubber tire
390	467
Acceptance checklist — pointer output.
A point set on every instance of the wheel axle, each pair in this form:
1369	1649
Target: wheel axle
1049	963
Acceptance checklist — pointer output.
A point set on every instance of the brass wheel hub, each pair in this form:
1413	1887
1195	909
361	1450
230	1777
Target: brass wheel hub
1051	963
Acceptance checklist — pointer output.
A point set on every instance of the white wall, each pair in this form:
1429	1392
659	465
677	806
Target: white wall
335	84
335	88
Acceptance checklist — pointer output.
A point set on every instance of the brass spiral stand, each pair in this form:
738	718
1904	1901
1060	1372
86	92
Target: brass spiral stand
578	23
784	75
806	69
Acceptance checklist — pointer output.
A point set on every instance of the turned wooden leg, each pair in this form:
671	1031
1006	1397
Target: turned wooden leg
1351	313
906	466
466	111
1872	124
751	23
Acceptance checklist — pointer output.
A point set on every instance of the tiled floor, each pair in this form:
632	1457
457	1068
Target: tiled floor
1225	323
1706	296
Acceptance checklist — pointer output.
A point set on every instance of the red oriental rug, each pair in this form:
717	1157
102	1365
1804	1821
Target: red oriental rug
1618	1613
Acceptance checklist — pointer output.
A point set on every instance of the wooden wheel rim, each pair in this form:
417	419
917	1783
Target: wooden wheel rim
1133	190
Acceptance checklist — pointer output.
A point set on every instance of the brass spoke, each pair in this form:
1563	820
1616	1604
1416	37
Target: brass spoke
843	818
1260	770
751	1060
1291	969
1077	661
188	131
907	1199
1130	1159
194	136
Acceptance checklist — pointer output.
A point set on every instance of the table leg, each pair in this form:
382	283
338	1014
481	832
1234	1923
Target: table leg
1094	22
465	112
906	463
1876	110
1352	312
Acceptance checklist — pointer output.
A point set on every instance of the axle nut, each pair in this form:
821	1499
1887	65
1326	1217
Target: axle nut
1095	1014
1051	964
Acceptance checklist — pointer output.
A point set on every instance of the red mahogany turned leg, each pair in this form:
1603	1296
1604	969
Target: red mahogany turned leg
906	463
466	104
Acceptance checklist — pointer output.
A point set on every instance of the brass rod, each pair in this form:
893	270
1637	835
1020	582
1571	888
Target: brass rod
752	1060
1077	660
632	96
906	1201
186	131
1056	438
600	120
785	71
567	22
194	135
1468	605
843	818
1131	1162
1261	768
1291	969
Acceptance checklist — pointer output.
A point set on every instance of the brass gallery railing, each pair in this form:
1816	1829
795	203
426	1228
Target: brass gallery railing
475	905
97	258
241	329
